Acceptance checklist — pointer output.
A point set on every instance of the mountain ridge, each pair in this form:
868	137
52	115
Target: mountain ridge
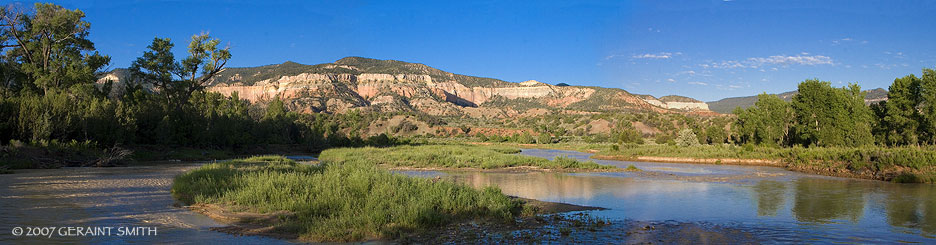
358	83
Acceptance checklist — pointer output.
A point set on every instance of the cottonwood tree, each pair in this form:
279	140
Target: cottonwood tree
767	122
827	116
901	119
205	61
178	80
49	46
156	67
928	105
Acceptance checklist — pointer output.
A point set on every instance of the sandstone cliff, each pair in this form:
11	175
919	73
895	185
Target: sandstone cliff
363	84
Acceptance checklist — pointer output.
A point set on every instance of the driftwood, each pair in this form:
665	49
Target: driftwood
114	156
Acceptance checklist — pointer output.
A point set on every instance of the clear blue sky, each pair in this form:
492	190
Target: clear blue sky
702	49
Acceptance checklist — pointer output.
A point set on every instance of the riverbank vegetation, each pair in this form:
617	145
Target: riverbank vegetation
454	156
53	92
350	200
58	100
899	164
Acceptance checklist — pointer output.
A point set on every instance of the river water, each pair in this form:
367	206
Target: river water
773	204
128	197
770	204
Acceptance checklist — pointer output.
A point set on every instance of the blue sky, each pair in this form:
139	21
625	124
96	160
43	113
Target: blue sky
702	49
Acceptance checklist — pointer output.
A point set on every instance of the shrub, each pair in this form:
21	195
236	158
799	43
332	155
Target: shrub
687	138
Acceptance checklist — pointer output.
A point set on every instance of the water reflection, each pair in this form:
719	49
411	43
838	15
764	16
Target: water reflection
822	200
770	197
777	204
912	206
543	186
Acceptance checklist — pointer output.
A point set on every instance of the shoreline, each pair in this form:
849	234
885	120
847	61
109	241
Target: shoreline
516	169
245	223
842	171
712	161
896	174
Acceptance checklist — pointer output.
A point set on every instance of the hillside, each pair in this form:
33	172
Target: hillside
726	105
372	85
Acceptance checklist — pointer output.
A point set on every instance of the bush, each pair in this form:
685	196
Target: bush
687	138
544	138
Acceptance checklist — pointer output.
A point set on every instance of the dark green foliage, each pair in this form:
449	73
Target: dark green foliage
727	105
716	134
900	120
626	133
56	102
544	138
768	122
928	105
49	48
827	116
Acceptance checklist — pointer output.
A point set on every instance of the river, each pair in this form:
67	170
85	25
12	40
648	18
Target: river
772	204
767	203
137	196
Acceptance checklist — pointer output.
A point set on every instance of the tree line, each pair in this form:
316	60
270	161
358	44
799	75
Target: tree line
822	115
49	93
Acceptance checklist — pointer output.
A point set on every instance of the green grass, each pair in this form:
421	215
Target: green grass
701	151
911	163
453	156
350	201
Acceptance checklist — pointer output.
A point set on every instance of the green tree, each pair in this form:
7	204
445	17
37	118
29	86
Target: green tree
716	134
767	122
626	133
544	138
827	116
687	137
50	46
156	67
901	119
205	60
928	105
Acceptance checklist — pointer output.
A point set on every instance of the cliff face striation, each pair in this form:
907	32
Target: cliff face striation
676	102
364	84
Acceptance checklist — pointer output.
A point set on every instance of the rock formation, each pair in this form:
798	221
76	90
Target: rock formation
356	83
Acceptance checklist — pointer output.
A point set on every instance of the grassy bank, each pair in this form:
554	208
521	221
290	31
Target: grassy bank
898	164
453	156
351	201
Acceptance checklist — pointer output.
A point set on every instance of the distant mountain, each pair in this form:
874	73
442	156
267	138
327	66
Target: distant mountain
357	83
726	105
364	84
